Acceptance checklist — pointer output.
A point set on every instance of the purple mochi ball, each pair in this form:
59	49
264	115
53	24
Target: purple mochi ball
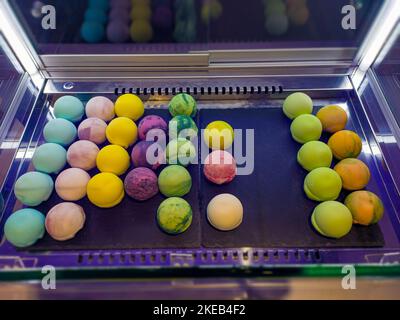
117	31
141	184
149	123
125	4
119	14
162	17
143	157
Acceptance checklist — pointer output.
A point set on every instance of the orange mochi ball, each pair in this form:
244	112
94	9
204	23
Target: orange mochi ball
354	173
345	144
333	118
365	207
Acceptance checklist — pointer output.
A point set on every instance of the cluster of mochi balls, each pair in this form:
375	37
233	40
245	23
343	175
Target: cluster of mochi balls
324	184
24	227
119	21
281	14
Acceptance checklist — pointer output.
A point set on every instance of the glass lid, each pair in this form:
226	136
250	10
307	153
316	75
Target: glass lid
187	26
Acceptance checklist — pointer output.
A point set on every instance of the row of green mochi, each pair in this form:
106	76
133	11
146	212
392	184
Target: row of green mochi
323	184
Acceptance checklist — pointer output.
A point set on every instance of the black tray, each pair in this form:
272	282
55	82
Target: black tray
276	210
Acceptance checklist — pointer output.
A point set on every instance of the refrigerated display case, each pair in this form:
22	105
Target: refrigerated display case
239	62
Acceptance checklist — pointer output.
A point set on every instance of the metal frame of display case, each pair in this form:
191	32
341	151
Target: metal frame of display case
333	73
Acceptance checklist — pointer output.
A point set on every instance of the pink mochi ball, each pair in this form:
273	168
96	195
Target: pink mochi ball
152	122
82	154
64	220
71	184
220	167
100	107
92	129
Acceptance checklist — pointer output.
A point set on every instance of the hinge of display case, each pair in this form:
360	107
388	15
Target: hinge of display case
13	263
385	258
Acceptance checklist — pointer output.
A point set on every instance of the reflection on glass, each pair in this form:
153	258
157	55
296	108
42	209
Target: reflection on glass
148	26
387	72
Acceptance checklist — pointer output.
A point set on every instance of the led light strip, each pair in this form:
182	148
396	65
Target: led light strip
376	38
19	43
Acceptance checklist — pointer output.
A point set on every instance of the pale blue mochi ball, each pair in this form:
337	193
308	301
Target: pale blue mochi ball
96	15
93	31
24	227
69	108
60	131
33	188
99	4
49	158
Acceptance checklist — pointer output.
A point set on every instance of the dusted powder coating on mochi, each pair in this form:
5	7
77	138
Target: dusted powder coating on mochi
332	219
296	104
33	188
49	158
147	154
141	184
60	131
65	220
101	108
220	167
225	212
24	227
105	190
92	129
82	154
150	123
69	108
71	184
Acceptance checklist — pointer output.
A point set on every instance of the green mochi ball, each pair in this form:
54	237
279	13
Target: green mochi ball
323	184
174	215
183	104
174	181
182	126
306	128
296	104
180	151
332	219
314	154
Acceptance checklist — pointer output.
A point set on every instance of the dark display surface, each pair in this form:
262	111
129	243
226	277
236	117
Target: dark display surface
276	210
131	224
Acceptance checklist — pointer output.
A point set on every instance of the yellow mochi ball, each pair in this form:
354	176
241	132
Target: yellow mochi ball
105	190
122	131
129	106
219	135
113	159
